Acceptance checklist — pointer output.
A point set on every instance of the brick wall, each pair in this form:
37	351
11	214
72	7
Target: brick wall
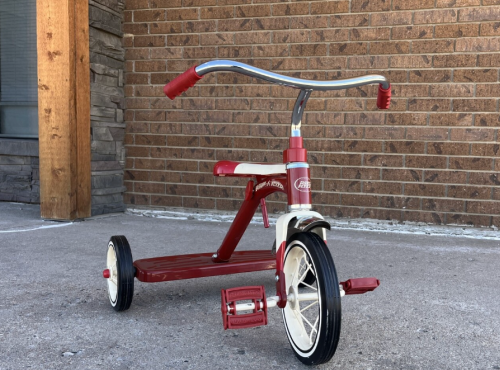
434	157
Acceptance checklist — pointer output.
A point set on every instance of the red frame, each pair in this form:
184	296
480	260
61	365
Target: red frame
296	184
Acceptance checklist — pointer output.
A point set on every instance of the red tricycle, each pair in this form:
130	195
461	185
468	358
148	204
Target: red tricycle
307	288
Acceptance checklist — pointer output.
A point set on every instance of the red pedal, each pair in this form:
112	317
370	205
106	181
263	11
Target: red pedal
360	285
229	302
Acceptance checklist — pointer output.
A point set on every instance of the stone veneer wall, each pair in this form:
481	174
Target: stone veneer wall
107	58
19	171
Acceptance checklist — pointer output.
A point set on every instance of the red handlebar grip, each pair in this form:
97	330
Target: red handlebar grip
384	97
181	83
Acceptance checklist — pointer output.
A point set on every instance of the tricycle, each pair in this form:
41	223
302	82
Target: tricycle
307	288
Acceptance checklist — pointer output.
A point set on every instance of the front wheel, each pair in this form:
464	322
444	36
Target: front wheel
312	315
121	273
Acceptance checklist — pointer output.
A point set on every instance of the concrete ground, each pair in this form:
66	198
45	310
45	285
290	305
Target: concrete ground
438	306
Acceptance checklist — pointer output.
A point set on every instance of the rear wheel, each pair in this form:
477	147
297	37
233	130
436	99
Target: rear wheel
121	273
312	315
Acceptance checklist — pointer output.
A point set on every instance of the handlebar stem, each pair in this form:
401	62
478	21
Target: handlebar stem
298	110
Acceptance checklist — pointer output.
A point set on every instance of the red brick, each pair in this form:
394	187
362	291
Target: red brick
474	105
309	22
359	200
472	134
291	9
360	173
479	14
342	186
478	44
490	90
447	148
137	199
267	24
253	38
432	46
270	51
182	14
201	203
425	162
469	192
445	177
165	3
412	32
190	3
307	49
382	214
217	12
183	40
363	34
382	160
234	51
352	20
392	133
382	188
149	41
356	146
292	36
217	39
253	11
392	47
456	30
227	25
325	7
435	16
199	26
136	28
451	90
149	15
137	4
409	4
490	29
450	119
432	76
425	190
471	163
149	164
391	18
165	28
484	178
443	205
434	105
411	61
426	133
454	60
487	120
471	220
486	150
483	207
362	6
368	62
457	3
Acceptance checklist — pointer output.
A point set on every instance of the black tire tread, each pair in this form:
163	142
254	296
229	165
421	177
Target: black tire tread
126	272
330	297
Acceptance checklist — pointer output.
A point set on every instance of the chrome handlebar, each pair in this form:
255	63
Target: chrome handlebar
189	78
276	78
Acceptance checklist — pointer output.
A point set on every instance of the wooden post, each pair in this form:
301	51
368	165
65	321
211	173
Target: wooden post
64	108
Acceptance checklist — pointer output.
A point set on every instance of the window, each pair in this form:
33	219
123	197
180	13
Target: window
18	69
